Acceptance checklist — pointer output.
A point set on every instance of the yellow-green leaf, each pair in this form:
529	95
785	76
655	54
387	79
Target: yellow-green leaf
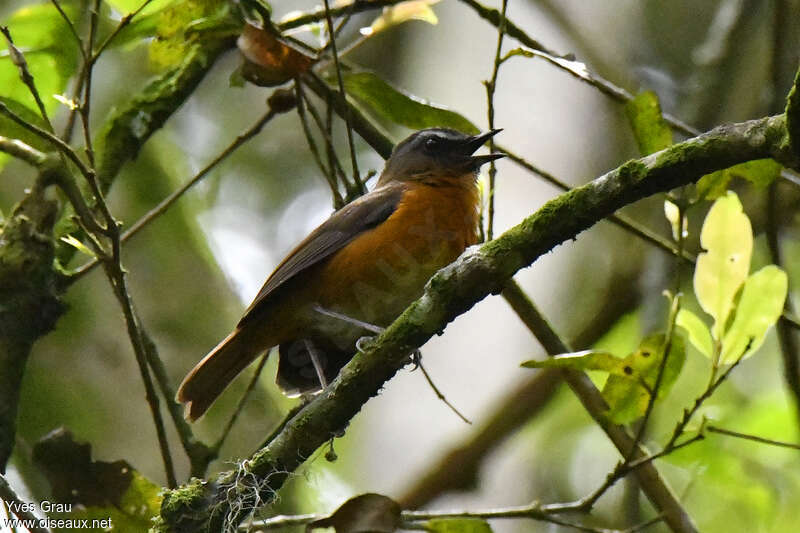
760	173
760	306
728	238
78	245
393	105
128	6
178	27
585	360
697	331
649	127
400	13
628	394
458	525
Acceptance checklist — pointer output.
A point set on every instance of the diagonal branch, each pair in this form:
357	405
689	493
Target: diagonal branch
230	497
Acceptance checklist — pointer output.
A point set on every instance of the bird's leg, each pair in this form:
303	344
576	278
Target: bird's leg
361	343
350	320
315	360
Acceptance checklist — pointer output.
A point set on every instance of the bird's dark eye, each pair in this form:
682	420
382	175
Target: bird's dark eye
433	144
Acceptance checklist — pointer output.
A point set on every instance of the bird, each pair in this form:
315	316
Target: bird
357	271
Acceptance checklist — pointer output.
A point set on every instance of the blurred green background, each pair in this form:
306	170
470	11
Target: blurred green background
194	270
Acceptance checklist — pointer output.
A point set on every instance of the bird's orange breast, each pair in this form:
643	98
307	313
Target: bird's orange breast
383	270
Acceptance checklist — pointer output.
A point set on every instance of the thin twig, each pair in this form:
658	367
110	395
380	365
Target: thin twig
359	186
217	446
662	365
440	395
688	413
167	202
411	519
116	276
86	103
329	173
491	85
756	438
69	24
124	21
317	15
326	130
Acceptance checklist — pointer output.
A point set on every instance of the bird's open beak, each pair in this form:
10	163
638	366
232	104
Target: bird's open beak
475	142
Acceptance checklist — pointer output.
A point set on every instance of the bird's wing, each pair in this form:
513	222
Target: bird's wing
331	236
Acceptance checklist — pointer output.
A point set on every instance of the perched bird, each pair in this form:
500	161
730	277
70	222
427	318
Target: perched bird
357	271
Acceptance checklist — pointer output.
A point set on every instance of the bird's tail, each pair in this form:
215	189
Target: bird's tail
214	372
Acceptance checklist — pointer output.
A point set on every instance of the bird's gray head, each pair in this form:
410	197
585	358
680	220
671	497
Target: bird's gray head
437	153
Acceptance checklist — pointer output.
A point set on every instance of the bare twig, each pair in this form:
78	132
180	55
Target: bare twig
328	173
662	365
441	396
491	86
756	438
357	184
413	519
215	448
69	24
689	412
123	23
356	6
86	103
326	130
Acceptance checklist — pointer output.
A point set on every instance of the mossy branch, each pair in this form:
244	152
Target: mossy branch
231	496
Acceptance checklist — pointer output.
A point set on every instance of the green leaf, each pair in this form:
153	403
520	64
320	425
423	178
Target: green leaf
585	360
698	332
403	12
760	173
50	51
628	394
458	525
393	105
760	306
649	127
712	186
728	238
178	28
128	6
